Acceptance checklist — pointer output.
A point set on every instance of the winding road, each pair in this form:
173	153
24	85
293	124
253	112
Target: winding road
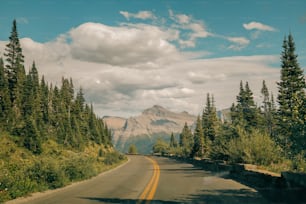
152	180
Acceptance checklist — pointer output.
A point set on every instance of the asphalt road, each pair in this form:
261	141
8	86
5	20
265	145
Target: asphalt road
152	180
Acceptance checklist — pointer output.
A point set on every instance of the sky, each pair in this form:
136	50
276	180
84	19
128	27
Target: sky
128	55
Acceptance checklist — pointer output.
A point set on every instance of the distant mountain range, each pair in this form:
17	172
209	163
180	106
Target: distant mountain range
145	129
153	123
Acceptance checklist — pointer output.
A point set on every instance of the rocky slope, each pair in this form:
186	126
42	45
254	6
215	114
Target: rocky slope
144	129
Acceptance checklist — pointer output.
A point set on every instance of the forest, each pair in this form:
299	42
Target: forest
49	135
270	134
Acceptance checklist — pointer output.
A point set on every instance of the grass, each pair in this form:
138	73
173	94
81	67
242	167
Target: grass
23	173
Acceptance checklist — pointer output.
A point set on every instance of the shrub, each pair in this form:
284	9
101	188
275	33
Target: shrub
80	168
112	158
255	148
48	173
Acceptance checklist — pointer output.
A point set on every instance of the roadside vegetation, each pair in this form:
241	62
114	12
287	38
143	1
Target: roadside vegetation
133	149
49	136
270	134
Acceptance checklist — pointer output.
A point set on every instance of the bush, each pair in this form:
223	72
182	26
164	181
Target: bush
254	148
48	173
14	182
80	168
112	158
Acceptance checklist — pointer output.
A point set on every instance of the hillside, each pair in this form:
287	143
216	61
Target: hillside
145	128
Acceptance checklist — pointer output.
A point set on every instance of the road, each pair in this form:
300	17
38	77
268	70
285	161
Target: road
152	180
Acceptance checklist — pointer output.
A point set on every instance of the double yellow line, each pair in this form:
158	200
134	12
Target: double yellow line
149	192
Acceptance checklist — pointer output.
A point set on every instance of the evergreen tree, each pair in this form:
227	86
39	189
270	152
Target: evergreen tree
245	113
45	100
209	119
268	109
291	100
32	110
14	66
4	96
199	145
31	137
173	142
79	102
186	140
250	111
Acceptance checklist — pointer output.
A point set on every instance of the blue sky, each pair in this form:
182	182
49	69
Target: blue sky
219	42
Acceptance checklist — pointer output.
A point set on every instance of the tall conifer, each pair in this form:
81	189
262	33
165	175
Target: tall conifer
291	99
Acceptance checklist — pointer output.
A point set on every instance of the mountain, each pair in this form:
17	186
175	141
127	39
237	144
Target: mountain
143	130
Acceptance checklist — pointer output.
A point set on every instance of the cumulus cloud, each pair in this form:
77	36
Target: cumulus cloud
179	85
123	45
140	15
258	26
126	68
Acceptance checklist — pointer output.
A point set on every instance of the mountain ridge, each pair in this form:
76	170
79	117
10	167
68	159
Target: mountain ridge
153	121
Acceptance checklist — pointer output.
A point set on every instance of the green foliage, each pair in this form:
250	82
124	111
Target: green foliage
209	119
186	141
291	124
53	136
14	66
79	168
268	110
266	135
160	147
31	137
47	173
199	145
132	149
253	148
22	172
35	111
113	158
173	142
245	113
219	147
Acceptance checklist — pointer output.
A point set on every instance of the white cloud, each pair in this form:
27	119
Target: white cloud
192	28
124	45
140	15
239	42
126	68
258	26
178	85
183	19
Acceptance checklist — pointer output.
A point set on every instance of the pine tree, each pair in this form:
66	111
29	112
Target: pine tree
209	118
45	100
173	142
268	109
4	96
15	74
14	67
250	110
291	100
79	102
199	145
245	113
31	137
31	110
186	140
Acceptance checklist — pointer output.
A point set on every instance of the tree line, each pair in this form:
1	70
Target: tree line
265	134
34	111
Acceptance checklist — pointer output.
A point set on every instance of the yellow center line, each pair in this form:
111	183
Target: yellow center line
151	187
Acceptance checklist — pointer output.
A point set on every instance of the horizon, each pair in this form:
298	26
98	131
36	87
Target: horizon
132	55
